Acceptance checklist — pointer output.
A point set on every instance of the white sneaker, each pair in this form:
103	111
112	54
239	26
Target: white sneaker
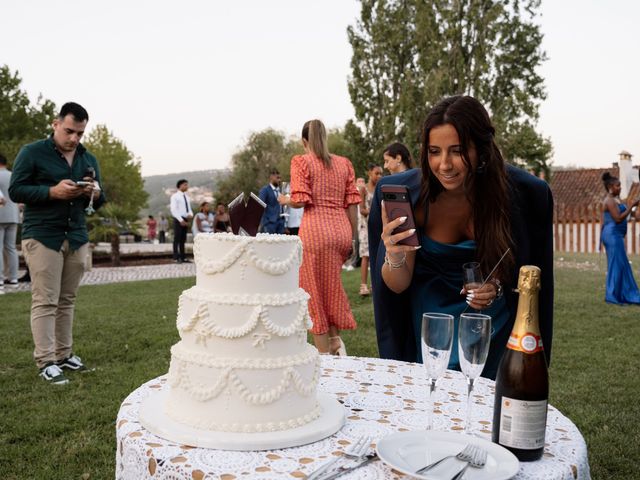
72	362
53	374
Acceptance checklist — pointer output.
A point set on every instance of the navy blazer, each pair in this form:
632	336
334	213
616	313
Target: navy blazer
531	216
271	221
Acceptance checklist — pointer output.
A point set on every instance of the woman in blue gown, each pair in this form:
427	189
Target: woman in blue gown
621	286
469	205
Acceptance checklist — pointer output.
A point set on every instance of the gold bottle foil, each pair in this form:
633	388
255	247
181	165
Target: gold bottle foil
525	336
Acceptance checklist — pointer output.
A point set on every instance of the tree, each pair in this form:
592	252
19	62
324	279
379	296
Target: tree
112	221
123	188
120	171
349	143
408	54
529	150
269	148
21	122
250	166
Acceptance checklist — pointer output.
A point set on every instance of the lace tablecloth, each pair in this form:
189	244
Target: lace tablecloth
381	397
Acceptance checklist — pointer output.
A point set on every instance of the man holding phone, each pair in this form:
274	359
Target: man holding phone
54	233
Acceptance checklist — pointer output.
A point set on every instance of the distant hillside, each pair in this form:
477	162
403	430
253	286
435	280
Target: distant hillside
155	186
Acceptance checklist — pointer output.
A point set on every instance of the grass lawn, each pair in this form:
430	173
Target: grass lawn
125	331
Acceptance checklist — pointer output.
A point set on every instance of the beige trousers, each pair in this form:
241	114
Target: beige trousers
55	277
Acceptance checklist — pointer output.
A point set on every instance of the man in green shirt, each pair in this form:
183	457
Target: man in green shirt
57	179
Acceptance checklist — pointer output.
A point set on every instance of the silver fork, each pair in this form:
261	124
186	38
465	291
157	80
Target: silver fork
478	461
466	455
355	451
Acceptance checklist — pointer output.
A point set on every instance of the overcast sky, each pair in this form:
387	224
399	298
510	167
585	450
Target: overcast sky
184	83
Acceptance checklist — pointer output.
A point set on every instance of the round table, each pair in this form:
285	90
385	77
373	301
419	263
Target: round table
380	396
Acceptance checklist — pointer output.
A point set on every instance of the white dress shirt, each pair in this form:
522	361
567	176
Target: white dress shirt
179	209
295	217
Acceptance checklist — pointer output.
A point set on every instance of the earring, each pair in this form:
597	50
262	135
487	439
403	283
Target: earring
480	169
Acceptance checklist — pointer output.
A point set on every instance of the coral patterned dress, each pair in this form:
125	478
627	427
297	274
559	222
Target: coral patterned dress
326	236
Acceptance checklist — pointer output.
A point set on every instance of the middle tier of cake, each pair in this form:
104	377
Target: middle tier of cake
244	325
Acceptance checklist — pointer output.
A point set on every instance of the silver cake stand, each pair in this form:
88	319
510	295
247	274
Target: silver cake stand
153	418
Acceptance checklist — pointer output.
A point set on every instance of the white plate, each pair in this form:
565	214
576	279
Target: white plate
409	451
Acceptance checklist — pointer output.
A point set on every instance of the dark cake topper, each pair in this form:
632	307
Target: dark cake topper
245	217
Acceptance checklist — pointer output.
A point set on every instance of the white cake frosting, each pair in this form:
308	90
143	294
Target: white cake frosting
243	363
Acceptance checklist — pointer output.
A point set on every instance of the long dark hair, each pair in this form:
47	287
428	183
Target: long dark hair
486	185
608	180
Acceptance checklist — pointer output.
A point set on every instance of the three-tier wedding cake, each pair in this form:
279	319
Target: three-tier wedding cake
243	375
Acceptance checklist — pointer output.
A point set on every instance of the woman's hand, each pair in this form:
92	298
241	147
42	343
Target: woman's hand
284	200
481	298
633	211
352	250
394	250
399	261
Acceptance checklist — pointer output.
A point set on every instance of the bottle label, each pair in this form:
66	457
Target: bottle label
527	343
522	423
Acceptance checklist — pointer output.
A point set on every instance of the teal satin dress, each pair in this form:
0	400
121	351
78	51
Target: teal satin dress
437	281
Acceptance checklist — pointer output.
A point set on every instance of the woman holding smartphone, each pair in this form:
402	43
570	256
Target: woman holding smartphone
468	206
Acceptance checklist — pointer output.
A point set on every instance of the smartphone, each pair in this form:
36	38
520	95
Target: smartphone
82	183
397	203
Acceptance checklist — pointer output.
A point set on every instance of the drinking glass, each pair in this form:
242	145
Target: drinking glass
474	337
472	276
437	338
285	188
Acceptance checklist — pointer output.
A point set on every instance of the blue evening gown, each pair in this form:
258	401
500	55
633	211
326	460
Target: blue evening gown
621	286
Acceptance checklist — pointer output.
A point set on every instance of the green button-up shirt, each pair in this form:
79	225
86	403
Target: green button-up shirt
38	167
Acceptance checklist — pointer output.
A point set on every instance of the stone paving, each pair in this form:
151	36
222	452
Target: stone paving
102	275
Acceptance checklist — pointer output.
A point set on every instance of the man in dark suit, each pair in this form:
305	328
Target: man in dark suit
272	218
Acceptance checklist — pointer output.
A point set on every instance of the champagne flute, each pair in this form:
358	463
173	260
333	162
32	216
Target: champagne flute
472	276
474	337
285	189
437	338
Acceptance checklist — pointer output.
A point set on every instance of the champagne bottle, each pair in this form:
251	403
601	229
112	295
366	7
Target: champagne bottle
522	382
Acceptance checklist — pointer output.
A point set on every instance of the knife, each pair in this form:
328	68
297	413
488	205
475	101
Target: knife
346	469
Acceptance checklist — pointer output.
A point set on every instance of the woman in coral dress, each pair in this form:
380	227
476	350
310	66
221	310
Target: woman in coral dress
324	184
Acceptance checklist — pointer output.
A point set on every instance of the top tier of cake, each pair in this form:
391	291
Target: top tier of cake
266	264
